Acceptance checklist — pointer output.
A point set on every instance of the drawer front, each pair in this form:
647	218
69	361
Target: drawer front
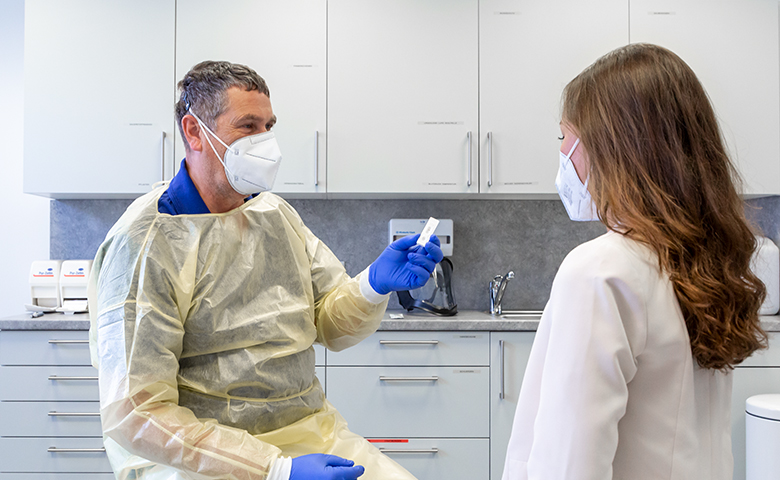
33	383
32	455
412	401
766	358
417	348
44	347
441	459
50	419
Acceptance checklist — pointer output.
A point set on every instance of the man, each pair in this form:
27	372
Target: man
206	298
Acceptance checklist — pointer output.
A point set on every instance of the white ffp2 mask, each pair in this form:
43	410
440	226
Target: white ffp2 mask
251	163
574	195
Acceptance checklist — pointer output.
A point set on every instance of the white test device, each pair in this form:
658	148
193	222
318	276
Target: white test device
427	231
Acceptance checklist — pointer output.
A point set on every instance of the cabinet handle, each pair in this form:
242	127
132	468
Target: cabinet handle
69	342
468	136
55	377
76	450
73	414
490	158
409	450
162	156
501	369
408	342
408	379
316	158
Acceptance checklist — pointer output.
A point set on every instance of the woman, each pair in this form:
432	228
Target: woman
629	373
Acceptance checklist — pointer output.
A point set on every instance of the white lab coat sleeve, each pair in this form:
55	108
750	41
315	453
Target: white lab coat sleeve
597	328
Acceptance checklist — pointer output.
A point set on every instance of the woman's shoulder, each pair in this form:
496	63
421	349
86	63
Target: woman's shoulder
610	255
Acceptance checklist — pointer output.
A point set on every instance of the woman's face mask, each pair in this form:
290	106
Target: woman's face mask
574	194
251	163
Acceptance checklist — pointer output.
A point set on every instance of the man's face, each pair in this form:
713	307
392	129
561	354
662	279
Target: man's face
247	113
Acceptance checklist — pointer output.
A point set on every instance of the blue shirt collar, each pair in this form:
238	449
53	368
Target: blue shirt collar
183	196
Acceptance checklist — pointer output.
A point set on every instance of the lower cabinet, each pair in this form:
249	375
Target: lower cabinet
509	352
420	397
758	375
441	404
49	407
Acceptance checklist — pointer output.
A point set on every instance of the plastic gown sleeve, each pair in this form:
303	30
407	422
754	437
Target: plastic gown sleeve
578	374
343	315
137	307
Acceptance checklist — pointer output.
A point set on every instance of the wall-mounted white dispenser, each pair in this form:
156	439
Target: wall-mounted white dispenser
766	265
44	286
401	227
74	279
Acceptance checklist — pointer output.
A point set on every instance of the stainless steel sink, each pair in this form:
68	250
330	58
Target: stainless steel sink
521	314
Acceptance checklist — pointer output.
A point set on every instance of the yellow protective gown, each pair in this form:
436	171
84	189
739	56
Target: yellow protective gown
202	329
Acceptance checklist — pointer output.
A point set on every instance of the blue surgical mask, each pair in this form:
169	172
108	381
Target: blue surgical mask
251	163
574	194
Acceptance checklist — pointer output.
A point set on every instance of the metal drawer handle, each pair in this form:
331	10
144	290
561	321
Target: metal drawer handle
76	450
501	369
73	414
73	342
410	450
408	379
408	342
55	377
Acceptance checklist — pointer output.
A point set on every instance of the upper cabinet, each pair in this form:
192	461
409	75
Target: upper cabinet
412	98
98	82
529	50
732	46
285	43
403	96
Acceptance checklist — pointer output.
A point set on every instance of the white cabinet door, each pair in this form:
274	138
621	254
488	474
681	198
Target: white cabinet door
284	42
529	51
98	80
733	48
509	352
402	96
748	381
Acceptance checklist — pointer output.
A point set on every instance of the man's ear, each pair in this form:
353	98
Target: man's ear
192	131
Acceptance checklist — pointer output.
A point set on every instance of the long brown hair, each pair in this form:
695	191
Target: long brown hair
660	174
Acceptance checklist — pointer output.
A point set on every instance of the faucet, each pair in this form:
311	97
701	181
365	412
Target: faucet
497	288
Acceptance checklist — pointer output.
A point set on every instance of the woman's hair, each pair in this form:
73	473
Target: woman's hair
660	174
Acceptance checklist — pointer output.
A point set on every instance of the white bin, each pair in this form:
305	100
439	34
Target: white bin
762	442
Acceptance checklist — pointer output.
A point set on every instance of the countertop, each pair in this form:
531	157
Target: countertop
469	320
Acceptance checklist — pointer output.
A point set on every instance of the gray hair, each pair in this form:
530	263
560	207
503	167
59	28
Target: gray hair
203	89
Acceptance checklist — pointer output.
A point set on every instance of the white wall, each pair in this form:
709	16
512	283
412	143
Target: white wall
24	233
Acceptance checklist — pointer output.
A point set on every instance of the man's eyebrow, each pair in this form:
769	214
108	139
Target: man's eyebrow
252	117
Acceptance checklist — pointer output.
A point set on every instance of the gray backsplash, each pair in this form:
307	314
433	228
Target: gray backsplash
491	237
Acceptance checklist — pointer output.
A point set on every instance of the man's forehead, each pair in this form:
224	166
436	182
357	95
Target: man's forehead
242	103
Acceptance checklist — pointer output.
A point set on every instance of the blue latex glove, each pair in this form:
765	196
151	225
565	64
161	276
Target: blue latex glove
318	466
404	265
